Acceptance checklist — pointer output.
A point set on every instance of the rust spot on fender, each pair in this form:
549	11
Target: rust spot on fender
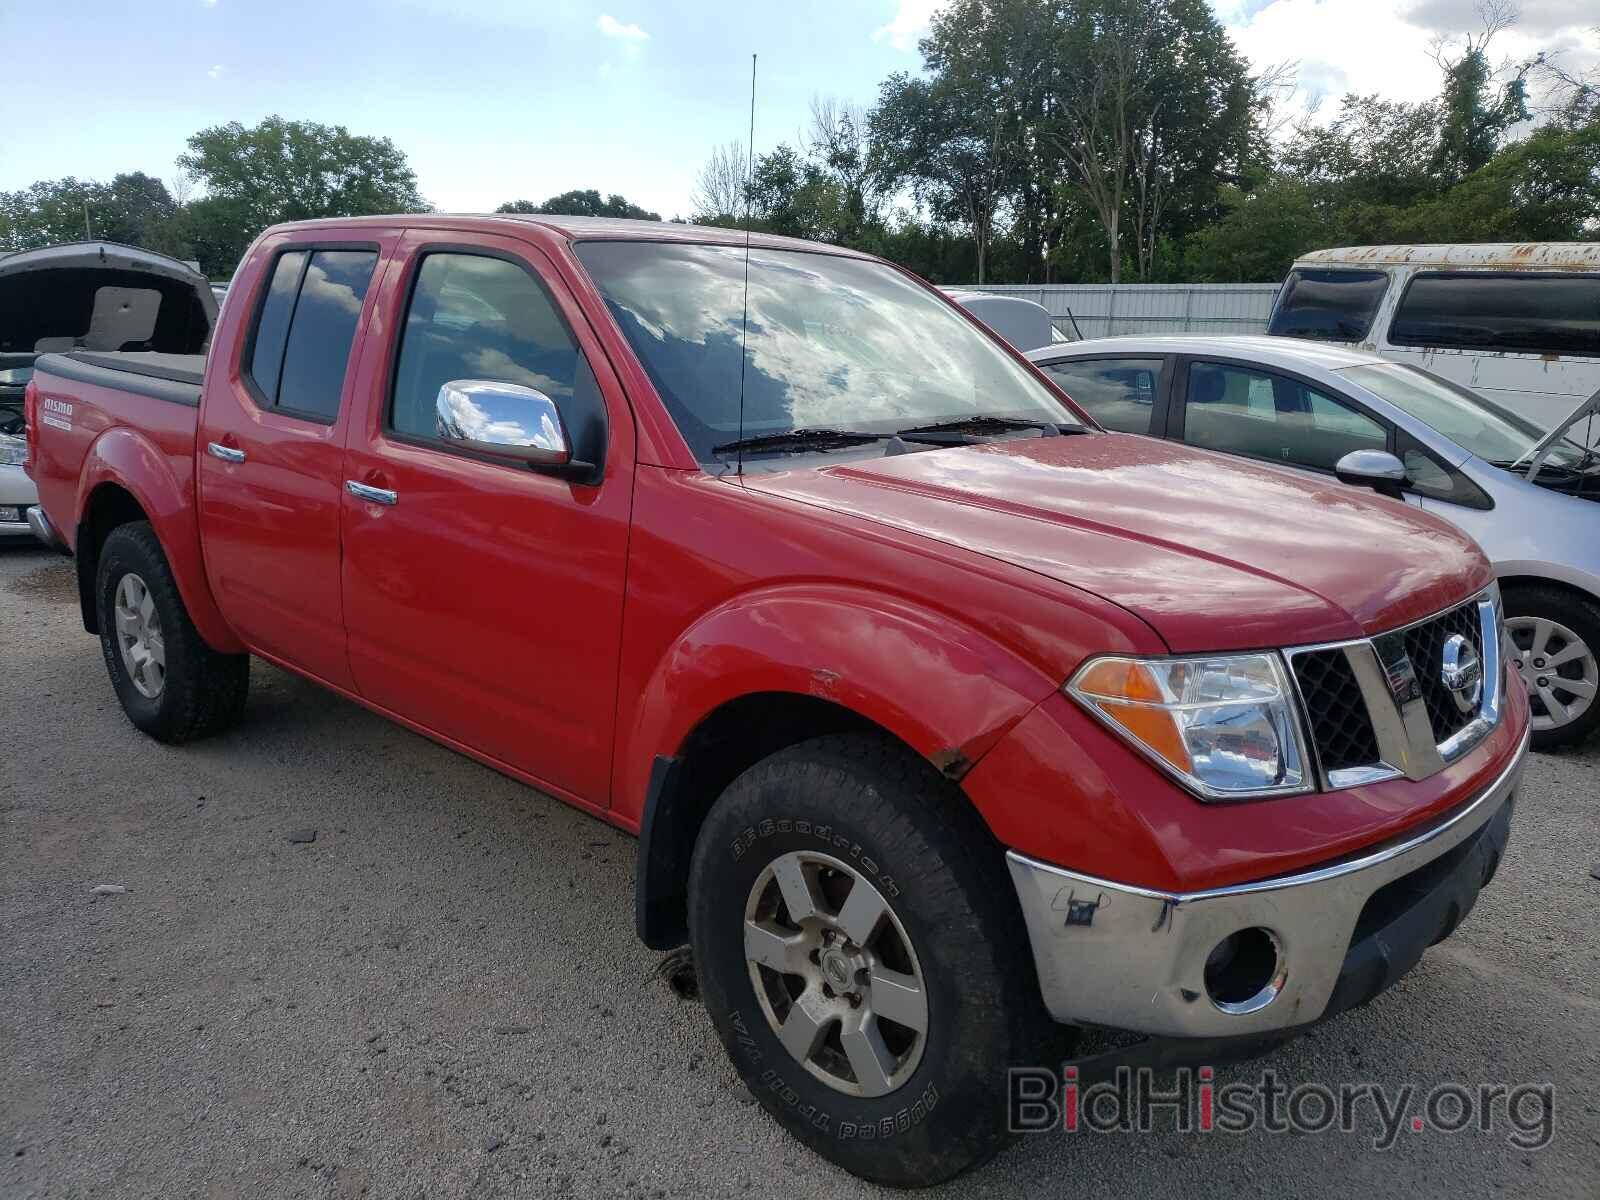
952	763
823	680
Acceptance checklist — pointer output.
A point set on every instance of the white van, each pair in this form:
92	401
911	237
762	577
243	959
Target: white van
1519	323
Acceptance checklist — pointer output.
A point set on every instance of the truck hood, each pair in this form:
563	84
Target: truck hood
1213	552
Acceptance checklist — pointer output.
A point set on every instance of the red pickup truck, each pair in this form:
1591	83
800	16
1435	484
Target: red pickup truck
945	719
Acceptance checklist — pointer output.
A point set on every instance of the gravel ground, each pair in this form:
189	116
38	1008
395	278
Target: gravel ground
442	995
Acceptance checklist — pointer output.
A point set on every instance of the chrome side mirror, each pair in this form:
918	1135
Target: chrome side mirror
506	420
1376	469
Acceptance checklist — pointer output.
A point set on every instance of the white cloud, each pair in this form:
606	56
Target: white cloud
215	72
909	23
610	27
1367	46
208	3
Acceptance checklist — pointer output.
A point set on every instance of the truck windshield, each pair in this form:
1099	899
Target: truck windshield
834	342
1333	306
1466	418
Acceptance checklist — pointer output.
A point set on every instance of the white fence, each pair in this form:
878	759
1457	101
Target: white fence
1102	309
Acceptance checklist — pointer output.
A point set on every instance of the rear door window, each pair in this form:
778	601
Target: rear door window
307	323
1328	305
1120	393
1260	414
1535	314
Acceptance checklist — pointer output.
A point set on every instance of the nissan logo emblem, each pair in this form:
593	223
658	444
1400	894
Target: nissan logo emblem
1461	673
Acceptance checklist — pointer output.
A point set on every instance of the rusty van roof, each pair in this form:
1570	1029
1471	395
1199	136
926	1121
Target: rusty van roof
1499	256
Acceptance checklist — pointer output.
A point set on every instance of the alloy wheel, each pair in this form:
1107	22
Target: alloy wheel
835	974
144	652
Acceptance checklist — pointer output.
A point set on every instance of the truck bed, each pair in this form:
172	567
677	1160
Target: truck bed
117	408
174	377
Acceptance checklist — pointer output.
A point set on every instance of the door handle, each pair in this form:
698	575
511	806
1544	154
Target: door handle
362	491
225	453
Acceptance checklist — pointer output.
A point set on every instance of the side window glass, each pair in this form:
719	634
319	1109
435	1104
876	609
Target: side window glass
1243	411
475	317
306	327
1521	313
1336	305
322	331
1429	477
272	326
1120	393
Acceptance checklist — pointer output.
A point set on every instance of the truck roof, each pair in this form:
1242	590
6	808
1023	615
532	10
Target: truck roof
581	229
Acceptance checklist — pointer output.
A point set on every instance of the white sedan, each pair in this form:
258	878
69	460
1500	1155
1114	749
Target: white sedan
1351	415
16	490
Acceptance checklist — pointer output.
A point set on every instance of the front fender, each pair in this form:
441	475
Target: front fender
125	458
945	689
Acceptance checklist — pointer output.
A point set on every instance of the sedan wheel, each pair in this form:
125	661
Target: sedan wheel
1558	666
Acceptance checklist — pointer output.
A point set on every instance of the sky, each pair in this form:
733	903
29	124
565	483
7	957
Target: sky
496	100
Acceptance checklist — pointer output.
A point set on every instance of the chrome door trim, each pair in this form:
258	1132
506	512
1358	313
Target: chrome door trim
226	453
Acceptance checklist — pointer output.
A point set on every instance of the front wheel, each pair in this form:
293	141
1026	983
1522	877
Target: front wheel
172	685
1555	638
862	955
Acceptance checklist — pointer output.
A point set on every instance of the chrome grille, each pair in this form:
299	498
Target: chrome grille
1377	708
1424	645
1341	729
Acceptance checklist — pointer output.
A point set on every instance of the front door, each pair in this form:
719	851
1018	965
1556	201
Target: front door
271	451
483	599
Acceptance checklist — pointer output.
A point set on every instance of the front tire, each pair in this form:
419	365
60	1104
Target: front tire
863	958
171	684
1555	645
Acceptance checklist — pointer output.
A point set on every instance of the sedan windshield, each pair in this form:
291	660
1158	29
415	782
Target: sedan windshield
1463	416
834	343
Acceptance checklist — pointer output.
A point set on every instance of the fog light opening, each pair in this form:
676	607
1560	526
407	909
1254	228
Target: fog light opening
1244	973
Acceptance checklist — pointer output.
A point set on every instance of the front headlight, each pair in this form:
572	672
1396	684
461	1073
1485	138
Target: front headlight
1224	725
13	451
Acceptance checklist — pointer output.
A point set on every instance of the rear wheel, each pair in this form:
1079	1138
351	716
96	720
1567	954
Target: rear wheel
172	685
1555	646
862	955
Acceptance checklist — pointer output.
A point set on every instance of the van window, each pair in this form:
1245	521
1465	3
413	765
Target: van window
1334	306
1538	314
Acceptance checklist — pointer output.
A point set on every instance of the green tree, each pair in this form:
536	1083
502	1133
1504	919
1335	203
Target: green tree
283	170
958	161
584	203
49	212
1258	237
1476	109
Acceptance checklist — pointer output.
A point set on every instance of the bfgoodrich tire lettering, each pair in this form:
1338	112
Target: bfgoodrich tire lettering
198	691
869	804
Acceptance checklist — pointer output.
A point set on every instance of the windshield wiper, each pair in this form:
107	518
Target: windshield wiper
802	439
985	424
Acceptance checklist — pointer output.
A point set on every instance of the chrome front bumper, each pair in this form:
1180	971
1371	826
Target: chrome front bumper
1134	958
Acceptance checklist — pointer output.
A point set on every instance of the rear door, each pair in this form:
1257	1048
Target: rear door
270	449
483	598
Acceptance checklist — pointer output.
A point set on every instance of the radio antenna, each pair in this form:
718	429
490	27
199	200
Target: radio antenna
744	323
